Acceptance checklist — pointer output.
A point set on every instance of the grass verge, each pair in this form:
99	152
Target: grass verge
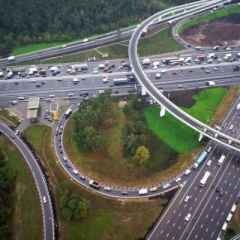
26	219
176	134
161	42
107	219
29	48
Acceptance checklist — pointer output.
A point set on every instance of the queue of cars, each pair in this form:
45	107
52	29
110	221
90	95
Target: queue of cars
102	187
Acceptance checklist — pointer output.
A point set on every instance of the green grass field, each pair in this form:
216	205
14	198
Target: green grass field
176	134
210	17
34	47
107	220
161	42
26	219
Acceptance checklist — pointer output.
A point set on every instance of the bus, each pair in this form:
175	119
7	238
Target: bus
202	157
204	179
124	81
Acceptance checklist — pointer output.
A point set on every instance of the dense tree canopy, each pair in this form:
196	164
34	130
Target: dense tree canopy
6	185
25	21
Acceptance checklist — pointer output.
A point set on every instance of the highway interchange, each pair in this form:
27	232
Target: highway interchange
202	200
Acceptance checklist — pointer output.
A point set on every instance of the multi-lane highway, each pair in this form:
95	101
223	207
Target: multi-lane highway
172	78
39	179
208	205
197	212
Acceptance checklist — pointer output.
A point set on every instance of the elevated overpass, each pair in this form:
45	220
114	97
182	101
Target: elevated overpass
156	94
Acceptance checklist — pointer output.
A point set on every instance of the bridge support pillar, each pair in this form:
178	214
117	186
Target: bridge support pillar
200	137
162	111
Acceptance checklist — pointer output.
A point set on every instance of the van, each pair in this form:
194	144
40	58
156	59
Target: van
221	159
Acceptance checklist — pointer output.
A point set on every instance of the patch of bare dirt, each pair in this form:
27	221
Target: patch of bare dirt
215	33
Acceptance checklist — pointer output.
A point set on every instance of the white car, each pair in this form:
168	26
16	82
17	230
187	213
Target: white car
166	185
187	172
44	199
105	79
187	198
209	163
178	179
85	40
187	218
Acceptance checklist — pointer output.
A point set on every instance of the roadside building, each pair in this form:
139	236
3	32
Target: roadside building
33	108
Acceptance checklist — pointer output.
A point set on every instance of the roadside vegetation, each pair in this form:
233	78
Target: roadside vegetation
34	47
169	129
234	226
9	119
20	212
133	141
210	17
161	42
109	140
109	219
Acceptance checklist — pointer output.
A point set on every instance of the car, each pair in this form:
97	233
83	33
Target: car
82	177
153	189
178	179
187	198
85	40
75	171
187	172
142	191
94	184
124	192
158	75
44	199
166	185
11	58
187	218
105	79
209	163
107	188
17	132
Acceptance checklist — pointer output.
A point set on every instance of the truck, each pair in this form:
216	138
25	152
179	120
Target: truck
68	112
204	179
121	81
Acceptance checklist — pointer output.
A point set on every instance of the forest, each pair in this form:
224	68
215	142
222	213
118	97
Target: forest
32	21
6	186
